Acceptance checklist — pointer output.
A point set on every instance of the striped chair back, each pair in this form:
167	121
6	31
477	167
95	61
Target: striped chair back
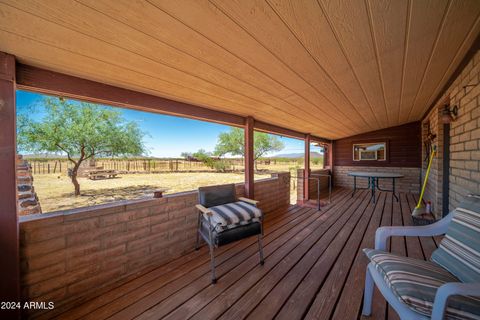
459	250
217	195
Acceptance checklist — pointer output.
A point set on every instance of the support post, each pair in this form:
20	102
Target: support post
446	170
331	160
306	175
249	164
9	232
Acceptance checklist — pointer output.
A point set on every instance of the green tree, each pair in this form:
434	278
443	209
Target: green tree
81	131
202	155
186	155
219	165
233	142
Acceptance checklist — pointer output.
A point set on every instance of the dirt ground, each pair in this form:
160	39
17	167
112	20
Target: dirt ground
55	192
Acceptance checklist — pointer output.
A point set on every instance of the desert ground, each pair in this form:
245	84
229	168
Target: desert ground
55	192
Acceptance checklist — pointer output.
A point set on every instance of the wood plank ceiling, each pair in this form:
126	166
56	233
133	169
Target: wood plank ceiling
333	68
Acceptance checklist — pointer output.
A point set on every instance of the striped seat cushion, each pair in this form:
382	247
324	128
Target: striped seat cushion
230	215
415	283
459	250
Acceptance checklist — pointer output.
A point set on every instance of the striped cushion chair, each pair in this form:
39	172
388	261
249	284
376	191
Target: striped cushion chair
448	286
415	283
224	219
459	250
232	215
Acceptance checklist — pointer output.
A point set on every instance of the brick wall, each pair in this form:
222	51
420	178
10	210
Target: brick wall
312	184
432	126
273	193
409	183
71	255
464	175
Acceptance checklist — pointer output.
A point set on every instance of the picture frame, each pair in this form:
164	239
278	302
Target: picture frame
369	151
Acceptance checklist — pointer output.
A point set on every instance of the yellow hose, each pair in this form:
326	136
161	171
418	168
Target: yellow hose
432	154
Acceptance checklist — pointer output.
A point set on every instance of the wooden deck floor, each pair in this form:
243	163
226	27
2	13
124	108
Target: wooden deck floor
314	269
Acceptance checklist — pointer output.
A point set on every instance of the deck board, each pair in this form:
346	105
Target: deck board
314	269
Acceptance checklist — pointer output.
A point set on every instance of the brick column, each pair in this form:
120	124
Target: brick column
9	235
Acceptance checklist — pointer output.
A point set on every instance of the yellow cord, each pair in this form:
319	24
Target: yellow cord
432	154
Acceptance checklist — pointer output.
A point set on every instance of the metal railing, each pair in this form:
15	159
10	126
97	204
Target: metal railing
317	177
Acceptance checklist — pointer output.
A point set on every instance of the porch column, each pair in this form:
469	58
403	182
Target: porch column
249	165
306	175
9	234
331	160
330	155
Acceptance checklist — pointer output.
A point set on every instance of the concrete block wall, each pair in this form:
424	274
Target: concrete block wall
69	256
465	134
312	184
432	125
409	183
273	193
464	174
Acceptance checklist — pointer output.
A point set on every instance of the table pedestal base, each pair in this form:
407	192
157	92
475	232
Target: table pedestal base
373	185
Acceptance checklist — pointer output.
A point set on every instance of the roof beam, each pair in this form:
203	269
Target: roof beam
270	128
54	83
59	84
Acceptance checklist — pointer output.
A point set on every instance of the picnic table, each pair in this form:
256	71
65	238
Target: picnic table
102	174
373	178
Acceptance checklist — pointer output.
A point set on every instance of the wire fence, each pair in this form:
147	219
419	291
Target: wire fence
61	166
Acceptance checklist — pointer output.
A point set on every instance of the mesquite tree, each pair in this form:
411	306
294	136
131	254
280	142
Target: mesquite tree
233	142
80	131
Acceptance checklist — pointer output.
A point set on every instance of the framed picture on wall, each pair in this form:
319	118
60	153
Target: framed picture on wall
370	151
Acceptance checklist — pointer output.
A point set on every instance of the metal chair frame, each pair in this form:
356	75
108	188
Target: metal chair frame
210	240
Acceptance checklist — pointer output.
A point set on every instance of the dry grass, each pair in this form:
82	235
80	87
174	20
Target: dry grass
56	192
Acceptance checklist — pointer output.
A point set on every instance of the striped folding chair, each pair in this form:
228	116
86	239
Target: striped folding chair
447	286
223	219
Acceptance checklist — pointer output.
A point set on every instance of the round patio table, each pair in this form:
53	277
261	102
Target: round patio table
373	178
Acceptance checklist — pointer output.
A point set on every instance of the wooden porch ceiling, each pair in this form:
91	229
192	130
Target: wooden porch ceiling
331	68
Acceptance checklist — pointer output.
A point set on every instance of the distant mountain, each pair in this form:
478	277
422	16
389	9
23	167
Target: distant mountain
298	155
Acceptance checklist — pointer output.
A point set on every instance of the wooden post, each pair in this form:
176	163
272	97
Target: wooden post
9	234
249	165
306	176
331	160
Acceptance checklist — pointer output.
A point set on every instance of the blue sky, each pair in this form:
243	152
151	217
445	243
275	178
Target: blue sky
167	136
